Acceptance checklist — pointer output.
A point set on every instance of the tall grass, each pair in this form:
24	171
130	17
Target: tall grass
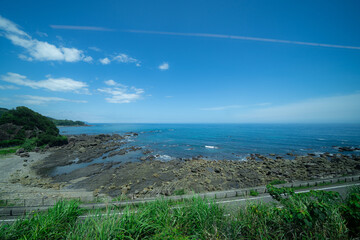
315	215
51	225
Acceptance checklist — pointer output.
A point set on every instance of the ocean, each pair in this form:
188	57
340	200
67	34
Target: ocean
231	141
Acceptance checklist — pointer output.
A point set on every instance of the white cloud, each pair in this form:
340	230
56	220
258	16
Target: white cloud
8	87
96	49
105	61
110	82
52	84
39	50
11	27
88	59
338	109
38	100
121	93
123	58
114	84
164	66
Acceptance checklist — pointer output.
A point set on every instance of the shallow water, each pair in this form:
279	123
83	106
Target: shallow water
231	141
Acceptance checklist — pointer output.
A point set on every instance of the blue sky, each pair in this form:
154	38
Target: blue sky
183	61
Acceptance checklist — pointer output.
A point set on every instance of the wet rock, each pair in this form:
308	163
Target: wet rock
147	151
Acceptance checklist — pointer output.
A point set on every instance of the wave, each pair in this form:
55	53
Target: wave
211	147
164	158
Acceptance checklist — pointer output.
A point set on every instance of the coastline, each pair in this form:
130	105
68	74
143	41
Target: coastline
19	181
148	177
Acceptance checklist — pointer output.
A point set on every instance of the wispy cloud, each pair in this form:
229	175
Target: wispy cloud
96	49
112	83
164	66
209	35
123	58
121	93
8	87
104	60
41	34
38	50
84	28
52	84
221	108
39	100
337	109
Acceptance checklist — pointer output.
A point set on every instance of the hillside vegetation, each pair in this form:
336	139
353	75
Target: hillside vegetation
67	122
24	126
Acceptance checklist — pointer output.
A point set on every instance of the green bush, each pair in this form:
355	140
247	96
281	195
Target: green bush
351	211
51	140
29	144
277	181
315	214
253	193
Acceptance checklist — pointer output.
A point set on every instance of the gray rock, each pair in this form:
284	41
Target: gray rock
25	154
19	151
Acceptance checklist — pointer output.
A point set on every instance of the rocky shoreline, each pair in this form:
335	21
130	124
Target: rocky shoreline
149	177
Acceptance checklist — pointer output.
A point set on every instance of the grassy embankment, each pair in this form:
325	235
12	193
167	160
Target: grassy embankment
314	215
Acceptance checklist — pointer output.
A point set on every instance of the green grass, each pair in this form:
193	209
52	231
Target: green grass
253	193
9	150
319	185
277	181
179	192
313	215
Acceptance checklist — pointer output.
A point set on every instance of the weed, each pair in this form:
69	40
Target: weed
179	192
254	193
277	181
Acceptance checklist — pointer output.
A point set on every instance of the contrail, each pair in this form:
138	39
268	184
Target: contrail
243	38
87	28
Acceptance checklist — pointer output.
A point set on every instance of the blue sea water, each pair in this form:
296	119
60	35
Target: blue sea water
232	141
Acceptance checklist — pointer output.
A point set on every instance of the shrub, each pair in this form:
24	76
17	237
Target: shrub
351	211
29	144
277	181
253	193
51	140
315	214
